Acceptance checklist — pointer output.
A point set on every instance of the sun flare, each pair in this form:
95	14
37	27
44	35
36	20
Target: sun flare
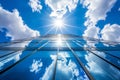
59	23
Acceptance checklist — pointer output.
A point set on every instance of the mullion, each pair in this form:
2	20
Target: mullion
54	73
80	62
102	58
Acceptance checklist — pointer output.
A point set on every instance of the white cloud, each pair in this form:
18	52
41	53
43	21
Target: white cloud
16	29
92	32
36	66
15	25
35	5
111	33
97	9
60	7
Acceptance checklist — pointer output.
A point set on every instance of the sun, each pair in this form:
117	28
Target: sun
59	23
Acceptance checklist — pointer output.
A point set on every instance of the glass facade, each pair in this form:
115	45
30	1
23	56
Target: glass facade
60	57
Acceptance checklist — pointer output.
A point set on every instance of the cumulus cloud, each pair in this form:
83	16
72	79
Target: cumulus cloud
35	5
36	66
111	33
13	23
92	32
60	7
97	10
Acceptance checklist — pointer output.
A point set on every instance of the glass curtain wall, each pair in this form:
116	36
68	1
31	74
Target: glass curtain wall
60	57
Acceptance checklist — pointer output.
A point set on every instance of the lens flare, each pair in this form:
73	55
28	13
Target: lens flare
59	23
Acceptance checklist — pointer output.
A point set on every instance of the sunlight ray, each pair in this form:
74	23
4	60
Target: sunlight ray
56	30
46	26
71	26
68	30
61	30
49	30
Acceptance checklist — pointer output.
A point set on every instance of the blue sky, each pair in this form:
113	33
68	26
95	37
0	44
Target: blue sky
81	15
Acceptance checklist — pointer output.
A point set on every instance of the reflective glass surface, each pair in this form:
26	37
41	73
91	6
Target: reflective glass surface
60	57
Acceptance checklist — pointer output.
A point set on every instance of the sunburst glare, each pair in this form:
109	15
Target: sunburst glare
58	23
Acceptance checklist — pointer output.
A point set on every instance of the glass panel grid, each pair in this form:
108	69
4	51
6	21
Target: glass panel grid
52	53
